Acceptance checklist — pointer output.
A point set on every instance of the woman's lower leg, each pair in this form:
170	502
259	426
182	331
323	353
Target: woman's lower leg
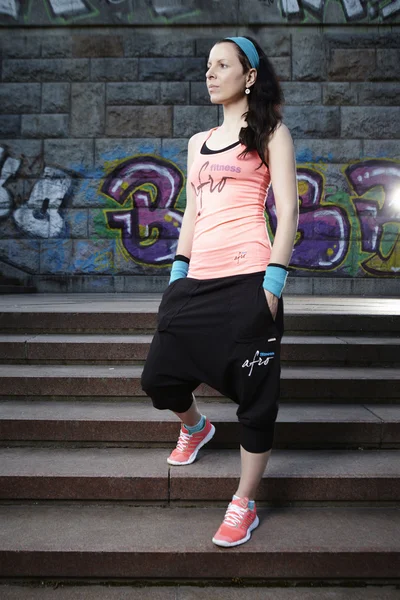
190	417
253	467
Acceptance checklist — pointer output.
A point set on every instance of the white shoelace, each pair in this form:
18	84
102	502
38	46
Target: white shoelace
183	441
234	514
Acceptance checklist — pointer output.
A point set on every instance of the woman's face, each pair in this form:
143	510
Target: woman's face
226	81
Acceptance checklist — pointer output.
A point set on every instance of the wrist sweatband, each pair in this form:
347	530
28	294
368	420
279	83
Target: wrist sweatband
275	278
181	257
180	267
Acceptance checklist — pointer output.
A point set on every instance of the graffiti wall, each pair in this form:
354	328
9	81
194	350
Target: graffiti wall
164	12
354	230
132	215
95	122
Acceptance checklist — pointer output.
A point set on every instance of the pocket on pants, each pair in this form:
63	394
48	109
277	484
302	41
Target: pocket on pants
173	300
251	317
278	321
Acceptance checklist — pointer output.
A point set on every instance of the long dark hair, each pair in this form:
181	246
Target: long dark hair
265	102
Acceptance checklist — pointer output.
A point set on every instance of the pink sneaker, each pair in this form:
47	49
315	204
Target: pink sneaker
188	445
238	523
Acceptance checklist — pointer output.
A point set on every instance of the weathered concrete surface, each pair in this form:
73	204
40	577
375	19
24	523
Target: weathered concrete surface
136	312
144	474
136	422
67	591
323	383
92	348
123	541
87	98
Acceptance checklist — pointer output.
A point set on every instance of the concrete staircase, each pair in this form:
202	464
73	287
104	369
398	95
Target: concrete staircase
12	285
86	493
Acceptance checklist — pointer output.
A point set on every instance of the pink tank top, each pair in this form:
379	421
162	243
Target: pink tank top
230	234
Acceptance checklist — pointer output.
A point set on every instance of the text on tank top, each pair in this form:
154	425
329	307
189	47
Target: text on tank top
230	234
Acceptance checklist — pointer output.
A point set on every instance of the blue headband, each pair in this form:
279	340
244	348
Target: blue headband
248	48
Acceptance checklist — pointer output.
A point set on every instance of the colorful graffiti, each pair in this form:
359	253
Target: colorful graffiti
351	228
63	12
379	218
323	232
332	223
151	185
353	10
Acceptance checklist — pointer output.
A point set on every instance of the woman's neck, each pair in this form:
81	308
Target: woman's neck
233	118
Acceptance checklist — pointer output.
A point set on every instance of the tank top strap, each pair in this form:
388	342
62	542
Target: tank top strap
210	133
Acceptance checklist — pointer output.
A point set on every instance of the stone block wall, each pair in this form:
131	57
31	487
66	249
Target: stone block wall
98	100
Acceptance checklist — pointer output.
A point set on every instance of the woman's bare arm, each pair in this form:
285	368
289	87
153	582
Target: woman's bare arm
187	228
282	166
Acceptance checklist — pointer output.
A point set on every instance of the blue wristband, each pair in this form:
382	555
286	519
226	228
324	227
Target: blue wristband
275	279
179	269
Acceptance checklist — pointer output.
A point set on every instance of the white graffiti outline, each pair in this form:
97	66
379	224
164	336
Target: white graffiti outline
9	168
40	216
64	7
342	243
353	9
10	8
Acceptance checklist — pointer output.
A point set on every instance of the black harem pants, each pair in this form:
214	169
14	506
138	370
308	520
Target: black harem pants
220	332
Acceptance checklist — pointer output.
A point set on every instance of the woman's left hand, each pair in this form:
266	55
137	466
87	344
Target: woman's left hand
272	302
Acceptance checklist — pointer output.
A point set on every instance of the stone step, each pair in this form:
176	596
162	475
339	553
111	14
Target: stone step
131	349
124	422
114	541
101	380
5	280
12	285
144	474
44	590
136	312
16	289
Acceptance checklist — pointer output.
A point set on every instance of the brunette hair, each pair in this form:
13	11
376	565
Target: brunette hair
265	101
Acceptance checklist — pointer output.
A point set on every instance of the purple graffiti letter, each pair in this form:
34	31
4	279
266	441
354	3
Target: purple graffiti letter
323	229
149	230
374	215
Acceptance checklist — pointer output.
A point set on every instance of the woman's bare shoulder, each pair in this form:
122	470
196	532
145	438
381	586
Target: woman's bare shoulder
198	138
281	135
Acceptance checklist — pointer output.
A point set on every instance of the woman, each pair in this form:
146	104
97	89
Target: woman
220	320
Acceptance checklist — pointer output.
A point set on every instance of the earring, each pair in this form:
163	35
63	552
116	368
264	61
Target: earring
247	91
